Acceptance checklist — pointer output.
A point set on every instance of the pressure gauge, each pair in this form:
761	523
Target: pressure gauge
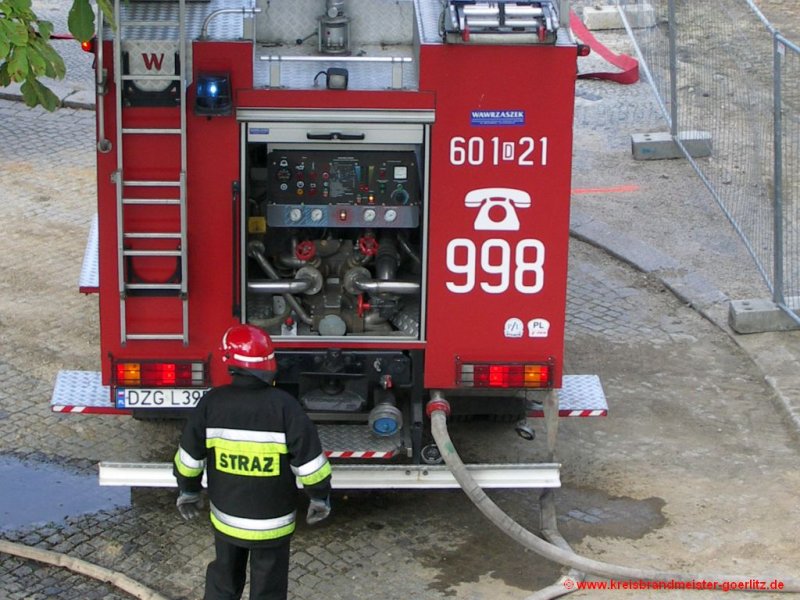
369	215
390	216
295	215
316	215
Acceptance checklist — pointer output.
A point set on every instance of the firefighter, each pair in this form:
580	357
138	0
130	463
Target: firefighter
253	440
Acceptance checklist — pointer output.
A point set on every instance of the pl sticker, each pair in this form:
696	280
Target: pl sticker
538	328
514	328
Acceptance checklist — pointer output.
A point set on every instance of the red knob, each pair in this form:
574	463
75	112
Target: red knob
305	250
368	245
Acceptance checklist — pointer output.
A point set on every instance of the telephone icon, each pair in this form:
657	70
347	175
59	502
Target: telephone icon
496	206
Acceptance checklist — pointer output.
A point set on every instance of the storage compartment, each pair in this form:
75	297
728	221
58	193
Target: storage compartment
334	230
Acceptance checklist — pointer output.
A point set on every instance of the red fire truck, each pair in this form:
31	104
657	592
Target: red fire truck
382	185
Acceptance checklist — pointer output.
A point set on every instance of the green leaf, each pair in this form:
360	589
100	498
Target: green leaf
17	33
36	61
18	64
20	5
29	94
45	29
53	59
81	20
5	48
35	93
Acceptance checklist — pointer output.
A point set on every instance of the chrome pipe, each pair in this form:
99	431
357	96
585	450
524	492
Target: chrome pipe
280	286
103	143
387	287
256	250
226	11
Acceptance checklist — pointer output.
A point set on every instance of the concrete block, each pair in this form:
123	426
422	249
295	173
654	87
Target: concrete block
640	16
598	18
660	145
758	315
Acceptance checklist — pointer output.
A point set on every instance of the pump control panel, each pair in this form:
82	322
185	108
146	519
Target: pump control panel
324	188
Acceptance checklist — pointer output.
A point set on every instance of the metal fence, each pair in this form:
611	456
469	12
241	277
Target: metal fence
719	67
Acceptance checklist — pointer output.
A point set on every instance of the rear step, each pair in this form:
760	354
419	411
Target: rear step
580	396
364	477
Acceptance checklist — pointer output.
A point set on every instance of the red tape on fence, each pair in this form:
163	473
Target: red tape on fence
628	64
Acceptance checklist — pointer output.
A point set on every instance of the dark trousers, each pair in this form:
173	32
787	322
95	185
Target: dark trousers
269	572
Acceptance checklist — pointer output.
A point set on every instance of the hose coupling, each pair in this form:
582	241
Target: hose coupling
437	402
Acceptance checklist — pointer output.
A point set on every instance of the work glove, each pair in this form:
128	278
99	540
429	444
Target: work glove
189	504
318	510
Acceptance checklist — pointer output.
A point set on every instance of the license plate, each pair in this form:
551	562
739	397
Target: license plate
159	397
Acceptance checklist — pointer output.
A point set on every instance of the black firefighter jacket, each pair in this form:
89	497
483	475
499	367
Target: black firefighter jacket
253	440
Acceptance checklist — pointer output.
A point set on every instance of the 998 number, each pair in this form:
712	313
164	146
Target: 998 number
496	265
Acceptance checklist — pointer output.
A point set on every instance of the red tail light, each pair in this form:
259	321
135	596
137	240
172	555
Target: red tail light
160	374
89	45
505	375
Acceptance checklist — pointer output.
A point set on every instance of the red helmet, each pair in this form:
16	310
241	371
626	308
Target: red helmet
250	349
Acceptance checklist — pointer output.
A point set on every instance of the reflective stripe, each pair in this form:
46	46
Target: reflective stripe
310	467
246	435
190	461
187	465
252	359
247	447
316	476
313	471
252	529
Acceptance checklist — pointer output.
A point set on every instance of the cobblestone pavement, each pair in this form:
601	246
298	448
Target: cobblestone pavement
692	449
694	469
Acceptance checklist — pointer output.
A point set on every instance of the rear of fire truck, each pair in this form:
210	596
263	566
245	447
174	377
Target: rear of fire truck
382	185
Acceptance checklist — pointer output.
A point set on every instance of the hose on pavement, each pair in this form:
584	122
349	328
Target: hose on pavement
438	415
118	580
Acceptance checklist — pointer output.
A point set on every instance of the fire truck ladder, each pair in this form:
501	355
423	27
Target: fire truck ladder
127	285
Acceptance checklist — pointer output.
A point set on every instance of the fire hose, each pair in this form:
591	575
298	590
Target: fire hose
76	565
558	551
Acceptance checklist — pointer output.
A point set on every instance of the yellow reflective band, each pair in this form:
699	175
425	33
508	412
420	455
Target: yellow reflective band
311	466
317	476
240	447
245	435
185	470
252	535
245	534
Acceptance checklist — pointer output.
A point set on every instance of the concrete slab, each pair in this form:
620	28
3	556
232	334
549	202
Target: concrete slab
689	286
597	233
693	289
600	18
660	145
759	315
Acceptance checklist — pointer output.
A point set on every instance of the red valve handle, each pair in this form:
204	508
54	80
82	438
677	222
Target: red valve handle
362	306
305	250
368	245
